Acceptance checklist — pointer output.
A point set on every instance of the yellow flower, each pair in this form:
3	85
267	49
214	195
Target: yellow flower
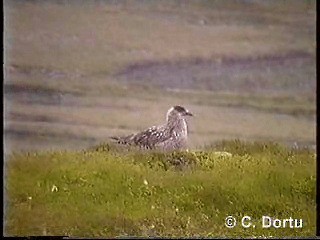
145	182
54	188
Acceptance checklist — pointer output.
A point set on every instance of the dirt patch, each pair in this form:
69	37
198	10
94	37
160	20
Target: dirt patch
34	118
37	95
29	133
41	71
294	72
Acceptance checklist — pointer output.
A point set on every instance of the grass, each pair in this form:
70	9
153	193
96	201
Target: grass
106	191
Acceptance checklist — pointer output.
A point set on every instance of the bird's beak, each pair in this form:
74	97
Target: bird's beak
188	114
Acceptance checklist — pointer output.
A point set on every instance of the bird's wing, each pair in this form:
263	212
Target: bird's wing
151	136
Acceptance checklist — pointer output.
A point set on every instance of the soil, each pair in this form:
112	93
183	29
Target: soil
227	74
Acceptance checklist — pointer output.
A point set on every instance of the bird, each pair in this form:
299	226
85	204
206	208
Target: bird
170	136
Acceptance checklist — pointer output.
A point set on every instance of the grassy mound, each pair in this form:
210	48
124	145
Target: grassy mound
106	191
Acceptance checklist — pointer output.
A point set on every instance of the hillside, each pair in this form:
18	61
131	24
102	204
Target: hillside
78	72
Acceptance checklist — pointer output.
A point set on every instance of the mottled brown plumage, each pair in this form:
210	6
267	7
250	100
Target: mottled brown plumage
172	135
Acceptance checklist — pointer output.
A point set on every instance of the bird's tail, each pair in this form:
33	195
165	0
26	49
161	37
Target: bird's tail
123	140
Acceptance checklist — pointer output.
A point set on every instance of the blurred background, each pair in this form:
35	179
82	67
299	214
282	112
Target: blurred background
77	72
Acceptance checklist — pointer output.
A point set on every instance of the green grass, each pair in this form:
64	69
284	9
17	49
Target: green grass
106	191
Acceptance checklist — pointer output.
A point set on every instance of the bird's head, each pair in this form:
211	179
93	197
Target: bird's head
178	112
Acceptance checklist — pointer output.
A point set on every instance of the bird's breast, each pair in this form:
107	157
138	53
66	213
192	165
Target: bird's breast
180	129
